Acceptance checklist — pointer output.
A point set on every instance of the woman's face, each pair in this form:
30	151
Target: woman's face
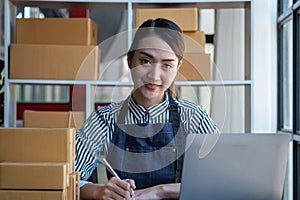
154	66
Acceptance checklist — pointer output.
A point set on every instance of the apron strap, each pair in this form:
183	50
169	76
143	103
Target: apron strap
179	140
123	112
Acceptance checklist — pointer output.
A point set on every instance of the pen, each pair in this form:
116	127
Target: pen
112	171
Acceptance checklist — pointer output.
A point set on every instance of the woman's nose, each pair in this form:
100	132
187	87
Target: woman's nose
154	72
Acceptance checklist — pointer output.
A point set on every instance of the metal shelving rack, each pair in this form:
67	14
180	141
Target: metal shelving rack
129	5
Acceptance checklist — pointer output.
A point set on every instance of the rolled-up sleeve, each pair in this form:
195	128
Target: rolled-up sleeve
91	142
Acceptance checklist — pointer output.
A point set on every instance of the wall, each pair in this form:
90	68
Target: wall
265	66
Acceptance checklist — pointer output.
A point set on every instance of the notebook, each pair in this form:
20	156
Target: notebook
234	166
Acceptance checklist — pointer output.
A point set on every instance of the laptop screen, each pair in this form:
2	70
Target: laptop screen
234	166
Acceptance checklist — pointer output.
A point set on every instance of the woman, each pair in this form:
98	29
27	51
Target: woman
143	136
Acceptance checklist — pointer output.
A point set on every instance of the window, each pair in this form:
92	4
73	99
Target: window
297	53
284	5
289	87
286	75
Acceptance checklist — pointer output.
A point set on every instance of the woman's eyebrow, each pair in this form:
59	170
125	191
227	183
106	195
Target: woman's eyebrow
147	54
152	57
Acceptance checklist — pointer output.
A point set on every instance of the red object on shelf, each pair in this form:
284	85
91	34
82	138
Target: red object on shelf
21	107
75	103
78	12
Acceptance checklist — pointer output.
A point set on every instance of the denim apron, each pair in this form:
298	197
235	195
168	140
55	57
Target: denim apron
150	154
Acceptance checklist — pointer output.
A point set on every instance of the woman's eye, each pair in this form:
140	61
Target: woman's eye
167	66
145	62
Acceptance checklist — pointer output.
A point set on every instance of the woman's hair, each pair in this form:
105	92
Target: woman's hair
168	31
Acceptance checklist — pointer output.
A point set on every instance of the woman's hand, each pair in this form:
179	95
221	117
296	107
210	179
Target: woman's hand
148	193
113	189
164	191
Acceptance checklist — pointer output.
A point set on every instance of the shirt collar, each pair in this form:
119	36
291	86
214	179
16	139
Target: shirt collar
154	111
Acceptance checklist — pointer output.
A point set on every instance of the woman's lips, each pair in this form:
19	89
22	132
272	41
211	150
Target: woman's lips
151	86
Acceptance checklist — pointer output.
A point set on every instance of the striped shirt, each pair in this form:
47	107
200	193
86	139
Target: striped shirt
92	140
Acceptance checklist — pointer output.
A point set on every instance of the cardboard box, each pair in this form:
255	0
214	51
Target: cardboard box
194	41
44	176
77	185
71	190
185	18
195	67
53	119
57	62
38	145
32	195
63	31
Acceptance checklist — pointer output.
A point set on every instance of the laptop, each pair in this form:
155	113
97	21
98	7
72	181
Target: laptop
234	166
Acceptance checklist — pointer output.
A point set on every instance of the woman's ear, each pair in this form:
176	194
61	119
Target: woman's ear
129	60
179	64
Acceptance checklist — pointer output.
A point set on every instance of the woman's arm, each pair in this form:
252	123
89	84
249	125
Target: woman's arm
113	189
163	191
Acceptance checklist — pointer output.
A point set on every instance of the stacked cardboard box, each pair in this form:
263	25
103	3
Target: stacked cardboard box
196	64
55	48
186	18
38	164
53	119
